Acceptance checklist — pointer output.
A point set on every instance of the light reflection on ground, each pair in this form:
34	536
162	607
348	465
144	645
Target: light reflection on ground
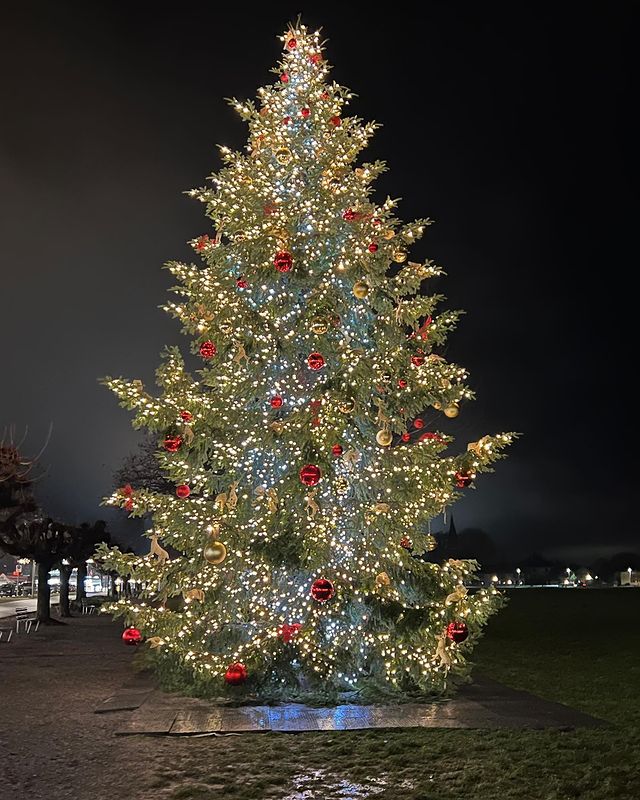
320	784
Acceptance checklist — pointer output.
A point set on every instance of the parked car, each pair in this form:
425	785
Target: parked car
7	590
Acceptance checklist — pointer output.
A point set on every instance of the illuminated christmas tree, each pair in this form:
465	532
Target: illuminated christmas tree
305	473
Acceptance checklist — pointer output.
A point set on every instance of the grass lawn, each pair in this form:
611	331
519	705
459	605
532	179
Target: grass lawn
579	647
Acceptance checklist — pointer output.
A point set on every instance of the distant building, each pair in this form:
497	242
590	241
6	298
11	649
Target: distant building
629	578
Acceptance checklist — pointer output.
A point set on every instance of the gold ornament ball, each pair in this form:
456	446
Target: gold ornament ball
437	406
283	156
360	289
430	542
347	406
382	579
388	235
215	552
277	427
451	411
384	438
341	485
385	377
226	327
319	325
400	256
239	236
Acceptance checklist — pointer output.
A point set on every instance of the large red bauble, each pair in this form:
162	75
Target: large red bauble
406	542
183	490
288	632
276	401
417	360
128	504
402	384
236	674
310	474
418	423
406	437
127	490
315	58
349	215
187	416
131	636
337	450
373	247
457	631
305	112
284	78
292	43
172	443
208	349
315	361
335	121
464	478
241	283
430	436
283	261
286	120
322	590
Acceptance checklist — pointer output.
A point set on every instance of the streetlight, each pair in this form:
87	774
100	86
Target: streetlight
518	570
629	570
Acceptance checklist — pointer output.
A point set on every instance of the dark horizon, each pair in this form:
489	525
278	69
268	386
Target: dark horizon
506	125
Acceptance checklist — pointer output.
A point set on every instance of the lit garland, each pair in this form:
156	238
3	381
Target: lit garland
296	301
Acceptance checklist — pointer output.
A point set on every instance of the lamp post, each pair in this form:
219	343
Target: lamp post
629	570
518	570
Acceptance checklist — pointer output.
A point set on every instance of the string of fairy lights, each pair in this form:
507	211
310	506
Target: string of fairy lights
281	444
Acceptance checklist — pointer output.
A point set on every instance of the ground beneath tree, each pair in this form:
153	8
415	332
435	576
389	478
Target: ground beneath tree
578	647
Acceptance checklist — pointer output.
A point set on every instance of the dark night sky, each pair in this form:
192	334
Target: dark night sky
507	124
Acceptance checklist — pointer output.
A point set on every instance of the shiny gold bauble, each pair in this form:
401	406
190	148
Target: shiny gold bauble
383	579
226	327
388	234
283	156
384	438
215	552
451	411
430	542
437	406
341	485
359	172
385	377
347	406
319	325
399	256
277	427
360	289
239	236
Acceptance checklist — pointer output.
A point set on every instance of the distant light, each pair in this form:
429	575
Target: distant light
588	577
518	570
509	582
495	579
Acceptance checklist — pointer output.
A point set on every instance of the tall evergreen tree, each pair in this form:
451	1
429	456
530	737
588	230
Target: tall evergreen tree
303	470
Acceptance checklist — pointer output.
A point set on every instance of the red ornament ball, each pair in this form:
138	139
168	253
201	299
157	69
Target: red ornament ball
292	43
128	504
286	120
335	121
288	632
406	542
418	423
186	416
131	636
127	490
464	478
283	261
202	242
172	444
417	360
402	384
236	674
183	490
337	450
284	78
208	349
406	437
457	631
310	474
315	58
373	247
350	215
276	401
322	590
241	283
306	112
315	361
430	436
